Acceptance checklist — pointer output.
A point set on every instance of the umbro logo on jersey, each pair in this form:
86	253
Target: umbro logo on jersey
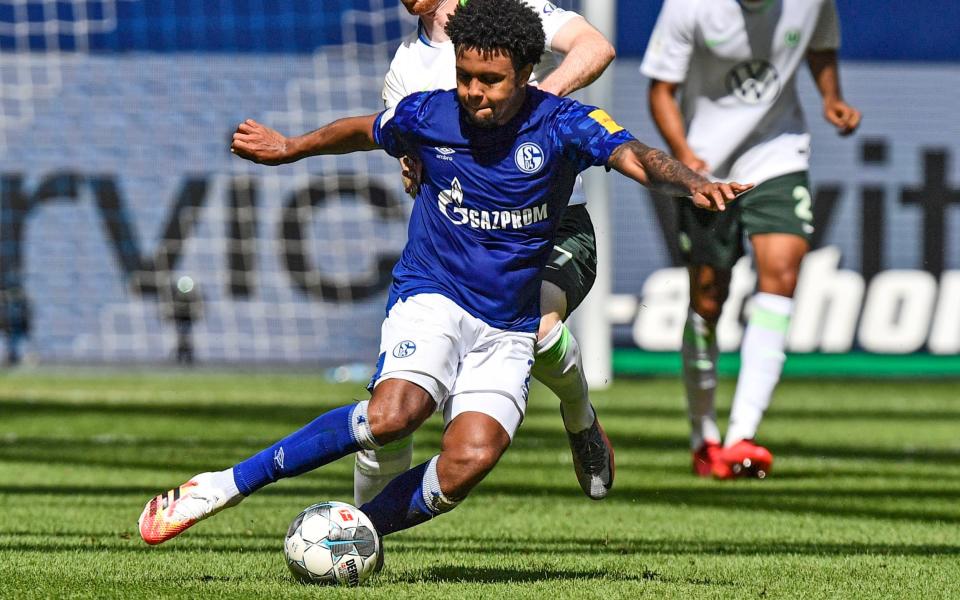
444	153
549	8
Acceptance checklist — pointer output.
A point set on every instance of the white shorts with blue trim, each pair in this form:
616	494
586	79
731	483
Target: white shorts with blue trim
465	364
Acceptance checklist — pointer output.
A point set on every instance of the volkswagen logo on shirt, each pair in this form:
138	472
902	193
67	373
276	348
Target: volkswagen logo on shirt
754	82
529	157
404	349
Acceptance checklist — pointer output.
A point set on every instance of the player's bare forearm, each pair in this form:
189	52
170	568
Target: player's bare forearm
662	173
655	169
823	67
587	53
826	74
261	144
667	117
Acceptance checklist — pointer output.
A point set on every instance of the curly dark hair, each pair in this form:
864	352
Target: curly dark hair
508	26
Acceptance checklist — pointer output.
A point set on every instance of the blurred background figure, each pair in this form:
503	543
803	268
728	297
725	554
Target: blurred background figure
14	321
184	308
740	116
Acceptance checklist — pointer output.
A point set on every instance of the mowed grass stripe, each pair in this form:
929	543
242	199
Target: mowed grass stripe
864	500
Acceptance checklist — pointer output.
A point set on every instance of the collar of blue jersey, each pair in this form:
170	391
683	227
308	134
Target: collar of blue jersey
495	136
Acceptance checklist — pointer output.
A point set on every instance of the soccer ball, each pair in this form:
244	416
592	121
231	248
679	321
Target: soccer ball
332	543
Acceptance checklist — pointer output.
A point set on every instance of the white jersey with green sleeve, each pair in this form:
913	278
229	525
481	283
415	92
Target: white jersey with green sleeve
737	71
421	65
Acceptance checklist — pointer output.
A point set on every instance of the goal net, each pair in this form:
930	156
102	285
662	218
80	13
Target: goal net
127	227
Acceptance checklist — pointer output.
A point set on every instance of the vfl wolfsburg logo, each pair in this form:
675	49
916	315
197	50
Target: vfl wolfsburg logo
754	82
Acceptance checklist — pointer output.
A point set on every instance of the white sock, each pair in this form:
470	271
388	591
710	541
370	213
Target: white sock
374	469
559	367
761	363
225	481
699	352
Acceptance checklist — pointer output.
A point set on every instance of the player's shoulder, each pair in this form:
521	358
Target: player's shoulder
550	105
424	102
422	110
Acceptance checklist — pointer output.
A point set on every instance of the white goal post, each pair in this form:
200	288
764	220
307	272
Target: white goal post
591	323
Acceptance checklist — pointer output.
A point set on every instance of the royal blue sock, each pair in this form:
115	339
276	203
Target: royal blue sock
330	436
412	498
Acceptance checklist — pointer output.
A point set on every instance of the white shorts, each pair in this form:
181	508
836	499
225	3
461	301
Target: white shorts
465	364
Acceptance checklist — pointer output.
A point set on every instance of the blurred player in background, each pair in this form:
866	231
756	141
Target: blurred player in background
735	64
576	54
460	331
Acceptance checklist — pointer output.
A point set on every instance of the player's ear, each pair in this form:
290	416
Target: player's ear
523	74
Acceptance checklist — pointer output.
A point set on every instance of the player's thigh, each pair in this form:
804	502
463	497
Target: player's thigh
421	341
572	267
494	380
778	217
710	238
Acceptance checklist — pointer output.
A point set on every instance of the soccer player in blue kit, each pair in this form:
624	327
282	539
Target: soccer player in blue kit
499	161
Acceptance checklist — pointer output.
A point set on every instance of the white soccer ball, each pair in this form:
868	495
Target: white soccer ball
332	543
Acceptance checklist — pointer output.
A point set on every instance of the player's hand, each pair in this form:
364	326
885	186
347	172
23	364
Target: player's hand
261	144
714	196
694	163
411	171
841	115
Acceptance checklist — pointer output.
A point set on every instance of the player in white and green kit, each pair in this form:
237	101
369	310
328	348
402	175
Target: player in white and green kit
575	55
734	64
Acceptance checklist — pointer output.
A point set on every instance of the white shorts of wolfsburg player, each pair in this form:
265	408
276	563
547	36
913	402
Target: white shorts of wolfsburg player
465	364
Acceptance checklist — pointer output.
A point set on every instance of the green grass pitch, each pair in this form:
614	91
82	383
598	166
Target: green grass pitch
863	502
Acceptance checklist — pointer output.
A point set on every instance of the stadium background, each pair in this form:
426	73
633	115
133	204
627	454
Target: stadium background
115	181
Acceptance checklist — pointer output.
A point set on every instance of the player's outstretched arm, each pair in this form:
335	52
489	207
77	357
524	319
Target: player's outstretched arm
587	53
261	144
826	74
659	172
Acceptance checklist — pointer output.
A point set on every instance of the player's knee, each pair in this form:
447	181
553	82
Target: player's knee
397	409
781	281
707	306
465	467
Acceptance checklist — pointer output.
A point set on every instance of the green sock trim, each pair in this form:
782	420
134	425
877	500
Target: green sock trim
398	444
770	320
691	337
556	352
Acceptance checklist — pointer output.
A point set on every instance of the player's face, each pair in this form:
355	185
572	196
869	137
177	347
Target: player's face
490	90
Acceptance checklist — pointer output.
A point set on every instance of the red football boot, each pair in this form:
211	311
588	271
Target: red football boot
744	459
704	458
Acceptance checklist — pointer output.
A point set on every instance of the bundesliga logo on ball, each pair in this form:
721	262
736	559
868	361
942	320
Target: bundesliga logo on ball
332	543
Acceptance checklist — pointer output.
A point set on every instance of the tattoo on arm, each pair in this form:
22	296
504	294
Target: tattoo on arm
664	174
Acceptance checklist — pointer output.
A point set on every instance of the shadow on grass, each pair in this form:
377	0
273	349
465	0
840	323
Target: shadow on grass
570	545
465	574
514	548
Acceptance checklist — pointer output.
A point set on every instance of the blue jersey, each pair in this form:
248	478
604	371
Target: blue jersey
490	199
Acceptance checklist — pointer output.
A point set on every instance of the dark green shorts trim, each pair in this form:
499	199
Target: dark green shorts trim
780	205
573	263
